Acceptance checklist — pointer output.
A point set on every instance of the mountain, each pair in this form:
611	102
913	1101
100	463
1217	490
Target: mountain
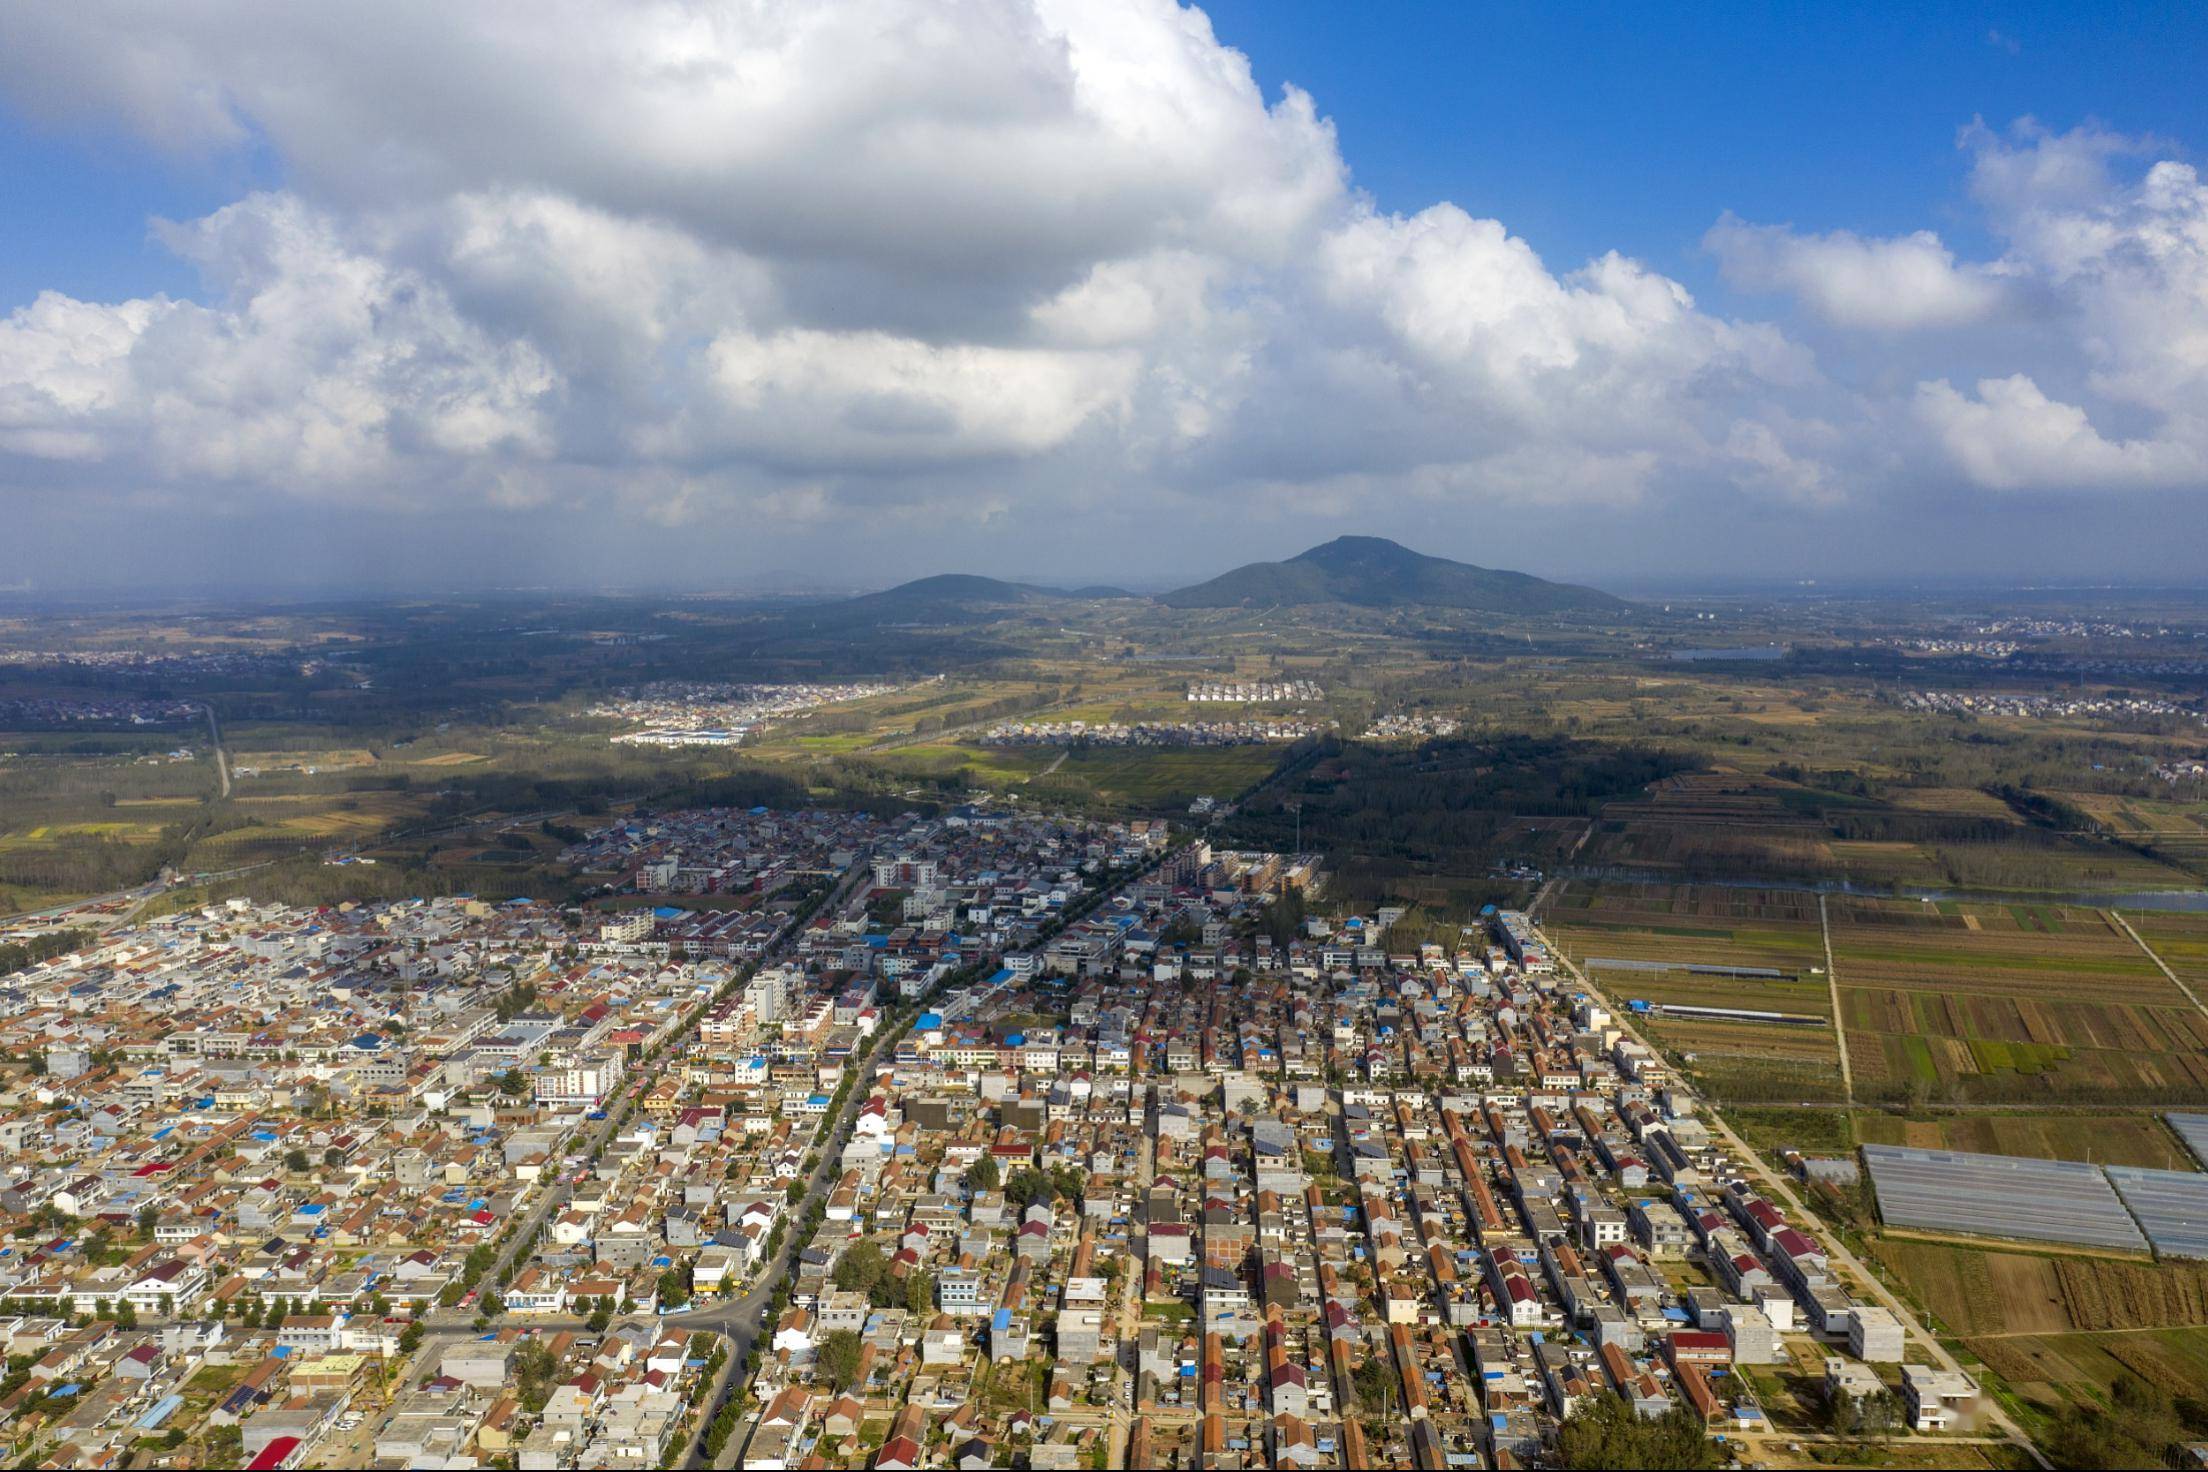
947	597
1373	572
962	590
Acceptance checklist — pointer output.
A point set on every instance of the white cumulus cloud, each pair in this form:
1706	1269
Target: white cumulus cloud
992	261
1893	285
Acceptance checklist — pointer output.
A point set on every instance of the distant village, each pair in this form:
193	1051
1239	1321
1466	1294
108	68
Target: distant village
1251	692
2049	707
679	713
1256	731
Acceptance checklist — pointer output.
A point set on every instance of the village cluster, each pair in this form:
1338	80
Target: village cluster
887	1141
168	664
683	713
1412	726
1251	692
2048	707
105	710
1257	731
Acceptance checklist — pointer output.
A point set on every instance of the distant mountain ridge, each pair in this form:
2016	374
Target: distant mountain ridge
960	589
1373	572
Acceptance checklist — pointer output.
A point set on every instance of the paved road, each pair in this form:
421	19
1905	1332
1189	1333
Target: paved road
1839	1019
742	1319
2139	941
222	757
1778	1186
737	1320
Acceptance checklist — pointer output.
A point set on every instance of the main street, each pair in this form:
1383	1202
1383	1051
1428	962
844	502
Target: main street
742	1319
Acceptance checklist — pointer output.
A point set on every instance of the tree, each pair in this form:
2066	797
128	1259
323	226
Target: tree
1605	1432
410	1339
225	1446
1375	1383
1027	1187
2143	1426
839	1358
296	1161
919	1292
1862	1418
983	1174
147	1217
126	1314
534	1370
860	1267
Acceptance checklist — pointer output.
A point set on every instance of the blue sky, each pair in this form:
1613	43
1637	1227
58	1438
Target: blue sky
1592	127
562	289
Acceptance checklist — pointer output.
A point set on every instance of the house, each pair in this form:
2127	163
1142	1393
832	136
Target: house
537	1292
1937	1400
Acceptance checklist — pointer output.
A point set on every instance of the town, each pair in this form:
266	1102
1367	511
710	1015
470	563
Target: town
850	1140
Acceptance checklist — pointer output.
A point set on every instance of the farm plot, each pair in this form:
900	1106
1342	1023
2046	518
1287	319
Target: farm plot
1978	1290
1686	924
1991	1003
2177	831
1712	824
278	826
1660	931
2181	940
2058	1367
2109	1139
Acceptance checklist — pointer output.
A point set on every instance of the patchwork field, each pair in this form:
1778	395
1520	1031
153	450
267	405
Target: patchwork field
2010	1002
1977	1291
1725	824
2050	1368
2109	1138
2176	830
1689	925
277	826
2180	940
